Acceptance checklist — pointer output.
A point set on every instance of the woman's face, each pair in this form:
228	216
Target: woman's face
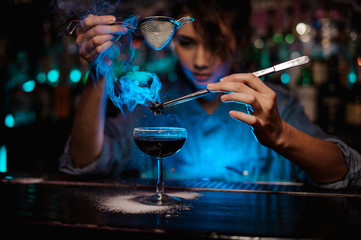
198	63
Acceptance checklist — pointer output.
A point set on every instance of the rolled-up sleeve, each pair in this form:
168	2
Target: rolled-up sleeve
102	165
112	159
292	112
353	161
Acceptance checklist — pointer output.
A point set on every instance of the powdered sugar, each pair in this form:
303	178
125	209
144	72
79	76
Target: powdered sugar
128	203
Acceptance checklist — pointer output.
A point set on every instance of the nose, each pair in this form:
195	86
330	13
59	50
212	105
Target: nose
201	61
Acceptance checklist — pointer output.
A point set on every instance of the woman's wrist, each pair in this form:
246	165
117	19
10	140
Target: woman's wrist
283	140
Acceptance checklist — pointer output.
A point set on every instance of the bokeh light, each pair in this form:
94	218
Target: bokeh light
75	75
28	86
53	76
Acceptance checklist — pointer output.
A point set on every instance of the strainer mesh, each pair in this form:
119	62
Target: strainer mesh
157	33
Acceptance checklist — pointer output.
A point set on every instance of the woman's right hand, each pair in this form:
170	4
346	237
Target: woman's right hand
94	35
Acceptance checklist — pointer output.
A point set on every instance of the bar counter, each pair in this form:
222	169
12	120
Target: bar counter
60	205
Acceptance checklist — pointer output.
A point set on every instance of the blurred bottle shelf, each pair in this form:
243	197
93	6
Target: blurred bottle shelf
41	80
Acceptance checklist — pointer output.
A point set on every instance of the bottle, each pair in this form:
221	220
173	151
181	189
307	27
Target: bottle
319	71
307	94
353	105
331	100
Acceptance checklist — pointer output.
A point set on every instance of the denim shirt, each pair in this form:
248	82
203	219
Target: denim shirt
218	147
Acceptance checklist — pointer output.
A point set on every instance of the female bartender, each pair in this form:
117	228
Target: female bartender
283	146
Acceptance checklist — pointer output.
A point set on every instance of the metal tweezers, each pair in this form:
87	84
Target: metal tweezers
157	107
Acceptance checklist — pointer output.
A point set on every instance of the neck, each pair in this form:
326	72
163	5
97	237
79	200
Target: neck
210	103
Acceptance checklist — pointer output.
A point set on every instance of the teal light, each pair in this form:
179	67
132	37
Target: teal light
141	77
75	75
352	78
9	120
3	159
41	77
165	64
53	76
285	78
28	86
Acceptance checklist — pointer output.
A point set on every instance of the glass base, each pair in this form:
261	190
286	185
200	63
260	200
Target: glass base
159	199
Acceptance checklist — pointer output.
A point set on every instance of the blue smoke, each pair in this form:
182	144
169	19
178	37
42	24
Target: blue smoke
134	88
125	85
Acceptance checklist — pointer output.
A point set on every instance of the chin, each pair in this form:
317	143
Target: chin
203	84
199	87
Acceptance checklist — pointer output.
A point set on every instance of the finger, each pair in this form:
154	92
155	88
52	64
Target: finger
93	20
244	117
104	30
246	78
96	41
229	87
95	53
246	98
100	25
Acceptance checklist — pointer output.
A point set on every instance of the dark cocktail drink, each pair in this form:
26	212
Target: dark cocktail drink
159	142
160	146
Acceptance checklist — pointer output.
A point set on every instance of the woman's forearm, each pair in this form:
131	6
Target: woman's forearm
322	160
88	127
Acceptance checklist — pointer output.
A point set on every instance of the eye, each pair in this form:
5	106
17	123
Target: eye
186	42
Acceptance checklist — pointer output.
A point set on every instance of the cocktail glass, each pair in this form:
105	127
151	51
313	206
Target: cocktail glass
159	142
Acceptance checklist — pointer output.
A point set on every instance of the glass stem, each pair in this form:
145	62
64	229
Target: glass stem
160	179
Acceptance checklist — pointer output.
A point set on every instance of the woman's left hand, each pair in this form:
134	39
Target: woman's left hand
246	88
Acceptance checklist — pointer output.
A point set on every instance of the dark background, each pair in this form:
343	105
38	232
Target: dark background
32	42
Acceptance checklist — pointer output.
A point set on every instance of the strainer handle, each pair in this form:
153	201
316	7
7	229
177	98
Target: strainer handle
180	22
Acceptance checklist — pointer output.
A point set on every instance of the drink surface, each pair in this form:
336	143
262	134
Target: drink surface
159	146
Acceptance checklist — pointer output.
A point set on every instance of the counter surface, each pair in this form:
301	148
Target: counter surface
209	210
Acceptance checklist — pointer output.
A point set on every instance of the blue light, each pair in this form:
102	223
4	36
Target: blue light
41	77
140	77
53	76
9	120
3	159
285	78
352	77
75	75
165	64
28	86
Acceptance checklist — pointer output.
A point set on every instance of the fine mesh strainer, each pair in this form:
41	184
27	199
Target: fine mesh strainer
158	30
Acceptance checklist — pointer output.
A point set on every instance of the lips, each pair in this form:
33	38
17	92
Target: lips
202	76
